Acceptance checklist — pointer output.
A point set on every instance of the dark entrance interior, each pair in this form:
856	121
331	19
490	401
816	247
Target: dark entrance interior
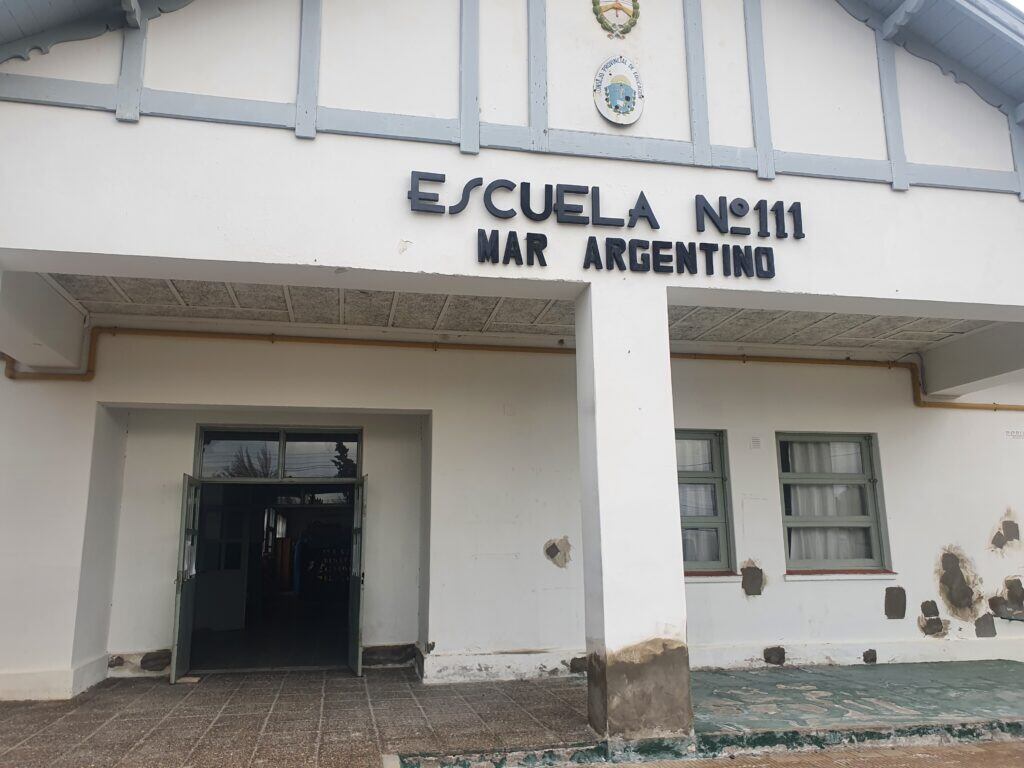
273	570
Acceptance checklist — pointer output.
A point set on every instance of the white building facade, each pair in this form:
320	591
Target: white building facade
530	356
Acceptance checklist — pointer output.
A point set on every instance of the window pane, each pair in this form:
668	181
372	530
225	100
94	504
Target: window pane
697	500
700	545
825	501
240	454
821	544
311	495
822	458
694	455
320	455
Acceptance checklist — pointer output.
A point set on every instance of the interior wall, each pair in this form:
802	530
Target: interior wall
161	447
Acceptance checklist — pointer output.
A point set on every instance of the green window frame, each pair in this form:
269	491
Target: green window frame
833	516
703	531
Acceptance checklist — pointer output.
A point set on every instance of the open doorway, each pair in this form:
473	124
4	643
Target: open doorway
271	565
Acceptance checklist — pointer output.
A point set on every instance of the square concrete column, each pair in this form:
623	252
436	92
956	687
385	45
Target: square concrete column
638	672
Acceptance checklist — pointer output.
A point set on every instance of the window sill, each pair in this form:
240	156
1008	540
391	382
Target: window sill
840	576
707	577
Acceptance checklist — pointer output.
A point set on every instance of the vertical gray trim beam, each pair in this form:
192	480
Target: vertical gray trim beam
753	22
1017	144
891	114
469	76
1018	114
133	66
899	18
697	82
307	95
537	32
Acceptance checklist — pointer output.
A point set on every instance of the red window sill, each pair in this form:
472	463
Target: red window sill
849	571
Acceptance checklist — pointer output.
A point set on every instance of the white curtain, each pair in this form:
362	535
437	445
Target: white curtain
827	501
700	545
693	455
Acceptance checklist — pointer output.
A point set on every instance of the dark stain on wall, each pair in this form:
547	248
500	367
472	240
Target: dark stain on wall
753	579
641	691
578	665
1009	604
957	583
929	622
115	661
558	551
985	626
870	656
775	655
1007	533
895	603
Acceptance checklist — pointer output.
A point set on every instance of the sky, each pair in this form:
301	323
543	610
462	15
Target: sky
1017	3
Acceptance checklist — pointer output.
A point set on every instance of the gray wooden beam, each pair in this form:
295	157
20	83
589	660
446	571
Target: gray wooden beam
753	21
133	67
54	92
1018	114
354	122
891	112
308	91
469	76
537	36
697	82
979	179
217	109
899	18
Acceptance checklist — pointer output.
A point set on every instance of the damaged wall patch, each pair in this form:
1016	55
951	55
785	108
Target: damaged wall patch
558	551
958	585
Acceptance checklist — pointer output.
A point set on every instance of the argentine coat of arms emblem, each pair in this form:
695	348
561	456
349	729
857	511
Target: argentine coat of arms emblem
617	17
618	91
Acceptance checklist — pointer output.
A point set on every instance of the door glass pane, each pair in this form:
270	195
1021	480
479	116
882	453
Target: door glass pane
694	455
316	454
825	501
824	458
240	454
697	500
700	545
830	544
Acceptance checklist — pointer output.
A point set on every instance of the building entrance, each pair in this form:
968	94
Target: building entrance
270	573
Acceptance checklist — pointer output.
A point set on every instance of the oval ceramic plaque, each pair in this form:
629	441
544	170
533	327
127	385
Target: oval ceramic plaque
618	91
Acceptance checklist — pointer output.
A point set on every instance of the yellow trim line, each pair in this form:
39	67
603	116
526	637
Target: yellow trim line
11	367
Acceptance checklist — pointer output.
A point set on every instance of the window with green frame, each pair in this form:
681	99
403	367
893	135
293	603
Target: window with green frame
831	502
703	500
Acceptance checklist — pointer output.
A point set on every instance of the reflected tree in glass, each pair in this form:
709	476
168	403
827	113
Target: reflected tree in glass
346	466
246	464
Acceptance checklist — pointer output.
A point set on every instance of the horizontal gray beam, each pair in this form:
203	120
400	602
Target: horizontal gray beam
827	167
619	147
387	126
217	109
57	93
979	179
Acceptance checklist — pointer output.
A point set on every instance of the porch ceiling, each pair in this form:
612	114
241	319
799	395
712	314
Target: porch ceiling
133	300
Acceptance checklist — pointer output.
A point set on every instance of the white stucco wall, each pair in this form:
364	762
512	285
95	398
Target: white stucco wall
504	481
824	94
243	49
390	56
504	58
725	55
945	122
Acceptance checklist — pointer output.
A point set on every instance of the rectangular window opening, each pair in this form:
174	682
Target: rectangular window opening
831	503
704	514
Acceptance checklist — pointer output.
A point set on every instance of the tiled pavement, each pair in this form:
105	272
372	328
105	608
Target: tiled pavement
334	720
287	720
